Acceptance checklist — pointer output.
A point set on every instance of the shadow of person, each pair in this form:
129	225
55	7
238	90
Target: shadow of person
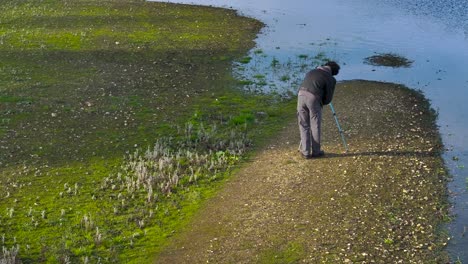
383	153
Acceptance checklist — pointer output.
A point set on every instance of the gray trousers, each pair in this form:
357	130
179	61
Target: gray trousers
309	116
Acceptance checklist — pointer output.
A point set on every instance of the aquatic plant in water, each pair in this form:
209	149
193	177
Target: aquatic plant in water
275	75
388	60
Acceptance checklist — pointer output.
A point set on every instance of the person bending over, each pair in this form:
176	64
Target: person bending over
315	91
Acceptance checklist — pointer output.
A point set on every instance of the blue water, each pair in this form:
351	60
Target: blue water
432	33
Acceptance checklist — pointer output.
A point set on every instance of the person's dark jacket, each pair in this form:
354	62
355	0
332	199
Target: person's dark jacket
320	82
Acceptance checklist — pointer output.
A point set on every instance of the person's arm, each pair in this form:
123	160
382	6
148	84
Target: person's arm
328	92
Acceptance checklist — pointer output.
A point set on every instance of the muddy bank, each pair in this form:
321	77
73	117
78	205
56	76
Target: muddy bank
383	201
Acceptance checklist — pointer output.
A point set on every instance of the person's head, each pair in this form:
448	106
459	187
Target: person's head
335	68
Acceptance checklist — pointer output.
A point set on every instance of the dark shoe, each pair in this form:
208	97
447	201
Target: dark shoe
320	154
306	156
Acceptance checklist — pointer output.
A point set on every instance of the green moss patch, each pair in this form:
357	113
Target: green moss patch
85	84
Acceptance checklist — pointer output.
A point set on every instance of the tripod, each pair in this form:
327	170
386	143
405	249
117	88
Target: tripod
339	129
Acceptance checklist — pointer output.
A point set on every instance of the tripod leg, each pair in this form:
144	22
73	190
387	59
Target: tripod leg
339	127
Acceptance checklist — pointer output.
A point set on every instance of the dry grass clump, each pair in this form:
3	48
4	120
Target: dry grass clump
147	176
9	256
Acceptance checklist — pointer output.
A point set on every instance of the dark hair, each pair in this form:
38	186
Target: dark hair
335	68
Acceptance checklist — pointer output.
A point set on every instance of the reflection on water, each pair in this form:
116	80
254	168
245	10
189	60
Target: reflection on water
432	33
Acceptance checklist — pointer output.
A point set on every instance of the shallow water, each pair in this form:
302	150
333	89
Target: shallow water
432	33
